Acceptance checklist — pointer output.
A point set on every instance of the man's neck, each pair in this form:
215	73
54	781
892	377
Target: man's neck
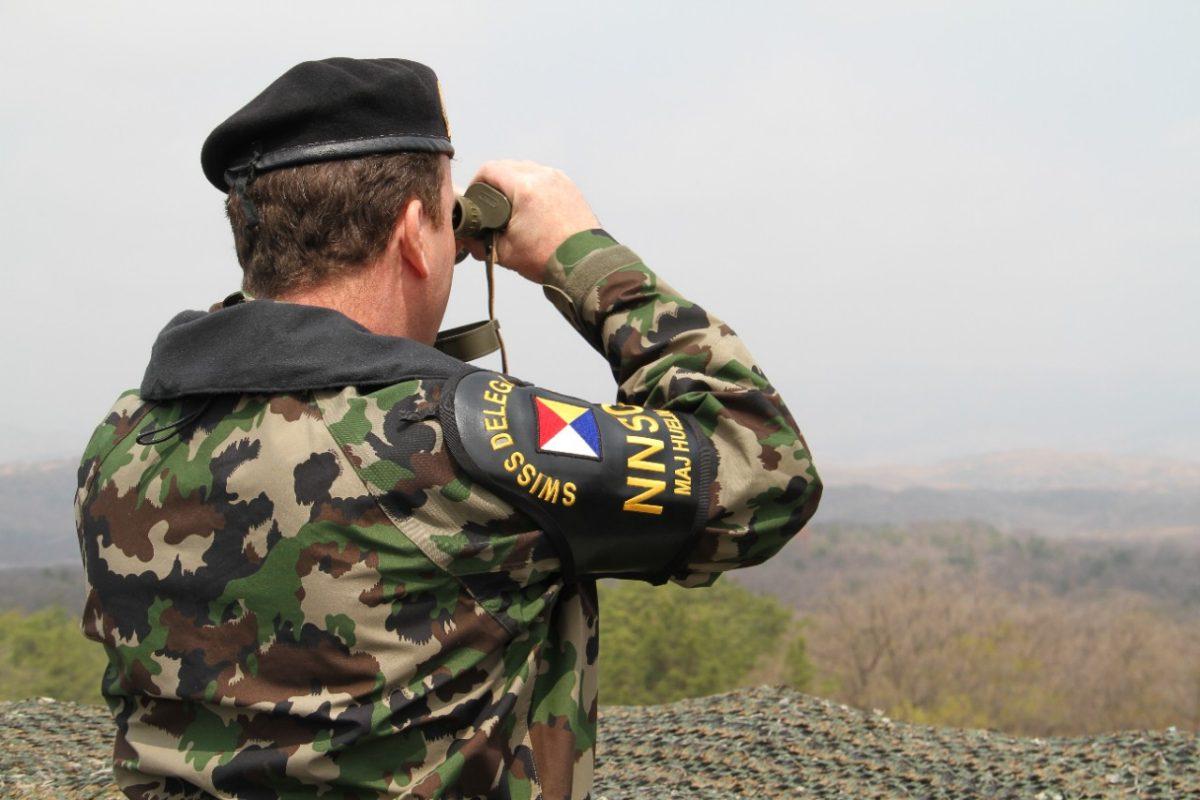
368	296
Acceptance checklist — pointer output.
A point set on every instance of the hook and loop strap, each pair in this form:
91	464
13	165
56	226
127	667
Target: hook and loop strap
478	339
469	342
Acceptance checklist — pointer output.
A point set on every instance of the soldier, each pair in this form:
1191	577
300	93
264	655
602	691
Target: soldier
326	559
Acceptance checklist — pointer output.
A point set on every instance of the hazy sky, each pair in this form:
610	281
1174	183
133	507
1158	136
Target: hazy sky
947	229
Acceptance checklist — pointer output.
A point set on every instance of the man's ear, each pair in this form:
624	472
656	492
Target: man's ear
408	237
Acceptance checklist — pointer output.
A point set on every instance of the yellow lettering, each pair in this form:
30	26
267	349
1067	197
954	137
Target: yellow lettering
638	460
683	476
513	461
539	484
637	502
526	475
620	410
549	491
496	419
641	422
679	440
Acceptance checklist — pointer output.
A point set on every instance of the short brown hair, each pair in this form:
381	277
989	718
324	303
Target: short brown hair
318	221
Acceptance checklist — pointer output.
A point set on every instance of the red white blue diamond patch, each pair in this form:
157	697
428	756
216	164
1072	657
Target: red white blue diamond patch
566	429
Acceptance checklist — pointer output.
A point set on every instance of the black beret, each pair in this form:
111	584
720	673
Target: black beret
331	109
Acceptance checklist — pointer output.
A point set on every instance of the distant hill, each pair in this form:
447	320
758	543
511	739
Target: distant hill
1031	471
34	588
1053	513
832	558
1054	494
37	521
1047	492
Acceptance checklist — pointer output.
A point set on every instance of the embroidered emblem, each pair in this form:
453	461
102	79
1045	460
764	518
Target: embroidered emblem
566	429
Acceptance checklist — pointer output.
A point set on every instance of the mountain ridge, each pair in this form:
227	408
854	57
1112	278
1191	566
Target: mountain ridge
1057	494
1029	470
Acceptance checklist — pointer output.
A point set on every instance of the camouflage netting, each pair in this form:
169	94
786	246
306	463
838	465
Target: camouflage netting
756	743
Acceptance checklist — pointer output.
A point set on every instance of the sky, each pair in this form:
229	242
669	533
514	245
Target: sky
943	228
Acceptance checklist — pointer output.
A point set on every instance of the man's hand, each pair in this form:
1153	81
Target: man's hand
547	208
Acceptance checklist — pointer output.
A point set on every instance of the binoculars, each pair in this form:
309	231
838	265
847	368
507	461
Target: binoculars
479	211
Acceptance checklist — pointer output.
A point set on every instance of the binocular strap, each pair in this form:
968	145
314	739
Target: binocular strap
478	339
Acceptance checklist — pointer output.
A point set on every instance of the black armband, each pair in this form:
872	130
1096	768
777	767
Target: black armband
620	489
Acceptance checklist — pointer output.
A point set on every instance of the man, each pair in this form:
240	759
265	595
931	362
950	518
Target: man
327	560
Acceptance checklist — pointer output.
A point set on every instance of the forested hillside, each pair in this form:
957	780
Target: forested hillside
1064	611
831	559
960	624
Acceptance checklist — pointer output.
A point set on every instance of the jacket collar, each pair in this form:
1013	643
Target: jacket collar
268	347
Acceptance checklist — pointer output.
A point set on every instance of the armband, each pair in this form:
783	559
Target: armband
620	489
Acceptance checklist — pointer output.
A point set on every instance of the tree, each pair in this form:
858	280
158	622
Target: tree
662	643
44	654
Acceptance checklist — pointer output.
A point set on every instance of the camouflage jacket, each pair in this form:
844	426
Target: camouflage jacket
303	592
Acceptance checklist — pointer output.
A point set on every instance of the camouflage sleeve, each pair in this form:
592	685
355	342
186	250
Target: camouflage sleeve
668	353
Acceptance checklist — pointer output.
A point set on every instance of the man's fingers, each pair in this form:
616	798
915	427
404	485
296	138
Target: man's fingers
478	249
547	207
473	246
500	174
